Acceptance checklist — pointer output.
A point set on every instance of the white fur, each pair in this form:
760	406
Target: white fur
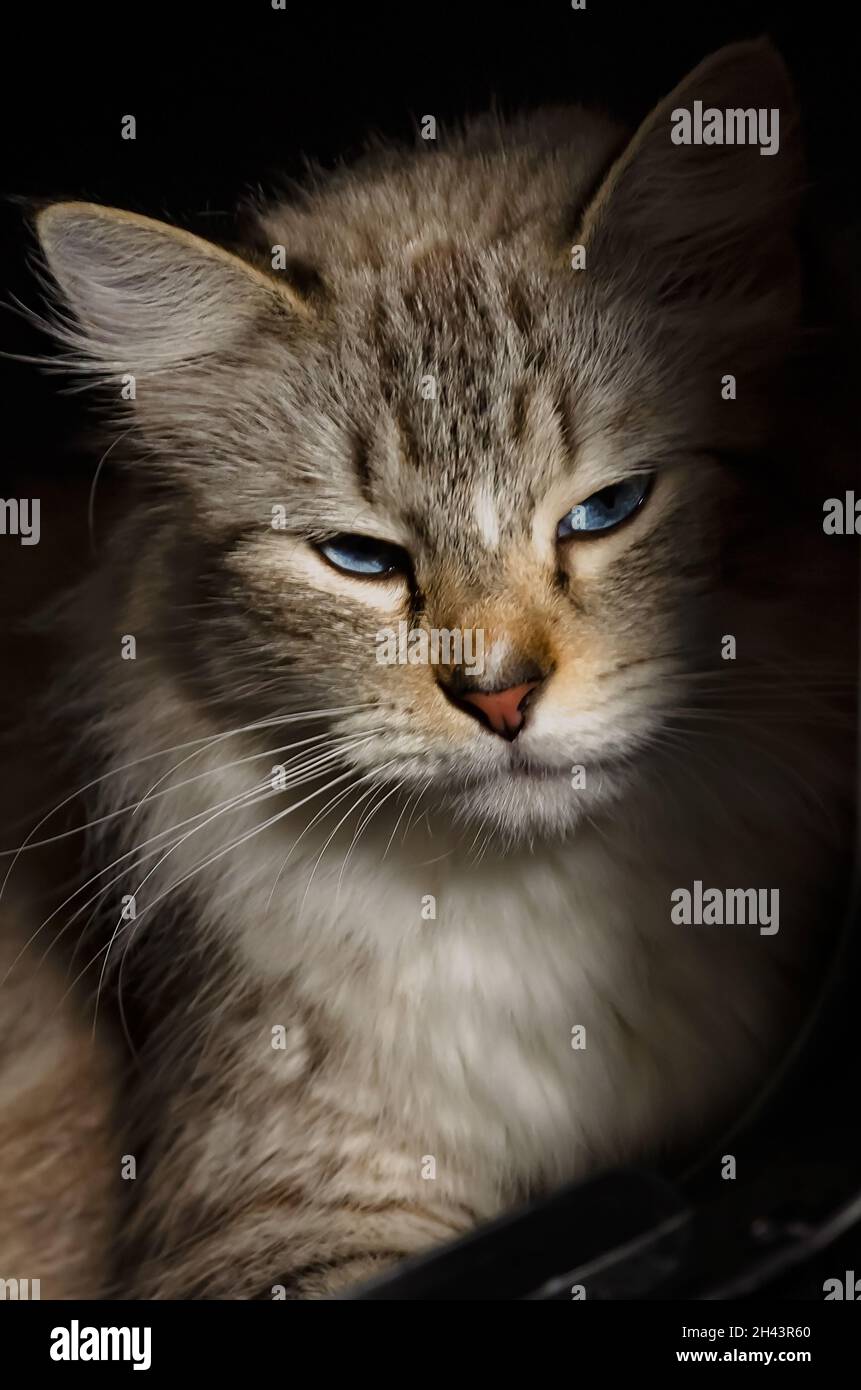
458	1030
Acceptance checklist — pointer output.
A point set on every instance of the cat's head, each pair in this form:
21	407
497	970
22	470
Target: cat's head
488	392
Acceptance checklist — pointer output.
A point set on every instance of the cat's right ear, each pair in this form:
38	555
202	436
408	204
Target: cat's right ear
693	214
147	296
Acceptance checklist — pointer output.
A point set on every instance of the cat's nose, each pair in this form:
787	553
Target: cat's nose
502	710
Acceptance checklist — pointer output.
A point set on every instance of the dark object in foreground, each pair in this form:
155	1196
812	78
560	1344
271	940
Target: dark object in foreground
790	1220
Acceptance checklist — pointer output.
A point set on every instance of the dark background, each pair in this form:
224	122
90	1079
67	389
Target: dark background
233	95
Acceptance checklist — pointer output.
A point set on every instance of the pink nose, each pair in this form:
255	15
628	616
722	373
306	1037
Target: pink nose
503	709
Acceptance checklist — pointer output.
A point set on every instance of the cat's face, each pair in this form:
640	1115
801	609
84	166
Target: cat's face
462	408
468	437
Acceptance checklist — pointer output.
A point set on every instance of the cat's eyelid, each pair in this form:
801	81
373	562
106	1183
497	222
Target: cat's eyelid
647	474
370	527
643	480
399	568
388	576
317	536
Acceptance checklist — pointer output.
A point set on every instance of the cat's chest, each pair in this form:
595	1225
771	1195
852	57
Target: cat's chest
535	1015
491	1006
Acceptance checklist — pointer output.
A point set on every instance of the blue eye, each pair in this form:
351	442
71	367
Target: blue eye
607	508
364	556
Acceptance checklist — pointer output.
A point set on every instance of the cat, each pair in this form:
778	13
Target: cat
392	943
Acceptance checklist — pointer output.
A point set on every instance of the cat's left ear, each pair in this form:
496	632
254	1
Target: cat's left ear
147	296
701	204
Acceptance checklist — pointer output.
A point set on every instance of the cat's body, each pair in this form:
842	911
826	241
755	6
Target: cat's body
462	984
449	1039
59	1146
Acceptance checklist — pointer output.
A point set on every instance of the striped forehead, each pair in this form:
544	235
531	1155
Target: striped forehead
476	424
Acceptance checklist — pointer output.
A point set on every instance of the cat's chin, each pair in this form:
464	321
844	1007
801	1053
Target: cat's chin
521	804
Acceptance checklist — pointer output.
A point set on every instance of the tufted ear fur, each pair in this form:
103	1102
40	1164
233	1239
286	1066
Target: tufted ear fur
146	296
675	223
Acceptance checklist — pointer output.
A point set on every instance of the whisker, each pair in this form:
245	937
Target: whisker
157	866
306	773
330	804
344	818
347	709
83	887
409	799
269	722
360	827
213	858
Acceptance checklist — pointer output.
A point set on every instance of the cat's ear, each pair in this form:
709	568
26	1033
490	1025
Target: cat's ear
702	201
147	296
